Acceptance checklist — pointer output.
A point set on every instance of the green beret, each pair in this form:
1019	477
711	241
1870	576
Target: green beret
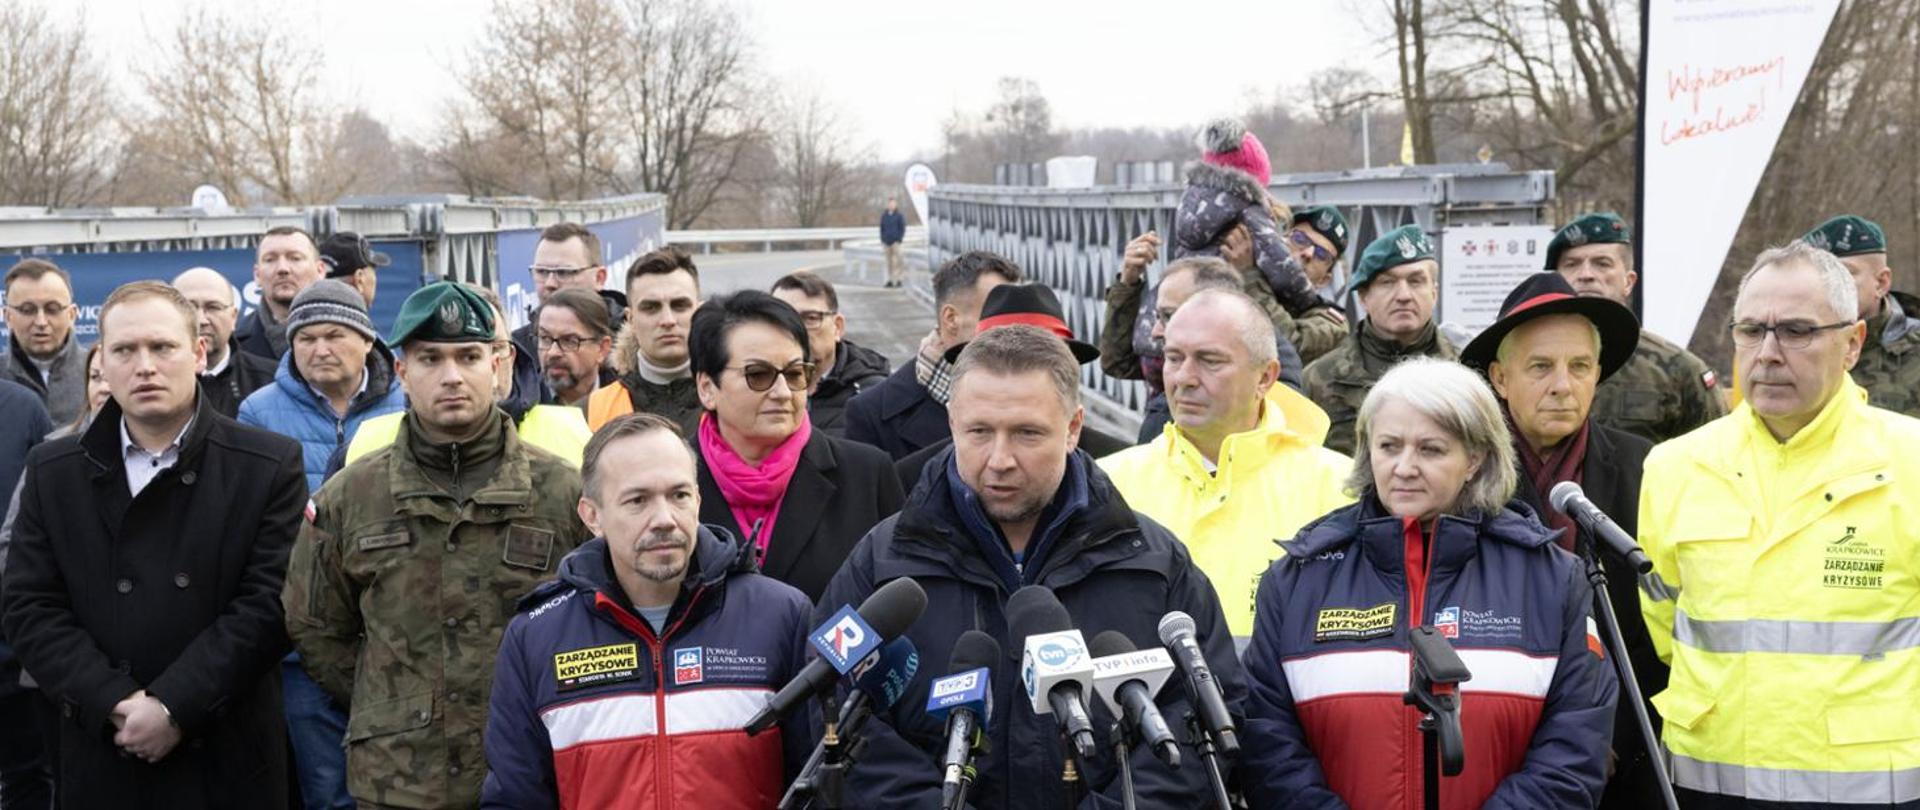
1327	221
1848	235
1403	245
1606	228
444	312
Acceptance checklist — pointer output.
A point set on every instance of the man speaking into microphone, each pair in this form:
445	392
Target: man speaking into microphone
1015	503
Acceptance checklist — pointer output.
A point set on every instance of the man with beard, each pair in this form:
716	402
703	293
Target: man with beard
575	338
231	374
654	586
286	262
412	560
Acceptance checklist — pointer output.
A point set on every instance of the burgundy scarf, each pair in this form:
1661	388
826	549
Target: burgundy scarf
1564	463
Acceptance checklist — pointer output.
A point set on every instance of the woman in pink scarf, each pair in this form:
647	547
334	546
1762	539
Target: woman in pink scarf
802	497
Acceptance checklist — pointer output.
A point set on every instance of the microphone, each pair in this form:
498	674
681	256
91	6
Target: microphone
964	698
1572	502
882	679
844	640
1177	634
1127	678
1054	664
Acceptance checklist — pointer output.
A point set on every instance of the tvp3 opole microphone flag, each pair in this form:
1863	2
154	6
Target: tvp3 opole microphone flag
964	698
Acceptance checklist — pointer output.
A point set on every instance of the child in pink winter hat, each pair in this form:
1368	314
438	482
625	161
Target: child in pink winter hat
1228	144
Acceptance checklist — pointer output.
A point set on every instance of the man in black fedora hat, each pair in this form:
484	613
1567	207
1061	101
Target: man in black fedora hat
1028	305
1545	356
349	257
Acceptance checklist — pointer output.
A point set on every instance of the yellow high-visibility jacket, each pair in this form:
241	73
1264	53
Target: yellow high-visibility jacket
557	429
1786	594
1272	480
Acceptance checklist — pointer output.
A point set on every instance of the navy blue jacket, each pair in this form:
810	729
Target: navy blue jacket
1112	568
893	227
584	682
898	415
26	425
1326	726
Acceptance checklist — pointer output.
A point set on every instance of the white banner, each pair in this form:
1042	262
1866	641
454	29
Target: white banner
1480	264
919	180
1721	77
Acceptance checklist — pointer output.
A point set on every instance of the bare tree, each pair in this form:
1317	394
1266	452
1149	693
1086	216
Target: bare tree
817	163
1021	122
229	102
56	111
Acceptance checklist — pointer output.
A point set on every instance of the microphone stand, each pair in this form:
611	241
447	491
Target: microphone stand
821	781
1070	773
1122	741
1623	665
1435	691
1209	754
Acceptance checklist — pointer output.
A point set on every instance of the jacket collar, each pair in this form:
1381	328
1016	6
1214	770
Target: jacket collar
379	378
1286	418
1380	535
589	569
101	441
812	487
510	484
1373	346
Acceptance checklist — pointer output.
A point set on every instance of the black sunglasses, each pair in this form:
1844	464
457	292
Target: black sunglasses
760	376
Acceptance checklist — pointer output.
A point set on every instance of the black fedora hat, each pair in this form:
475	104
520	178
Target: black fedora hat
1547	293
1028	305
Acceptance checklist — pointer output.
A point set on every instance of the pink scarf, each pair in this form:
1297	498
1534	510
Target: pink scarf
753	493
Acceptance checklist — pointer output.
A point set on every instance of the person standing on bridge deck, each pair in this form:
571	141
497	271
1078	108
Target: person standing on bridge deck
801	496
412	560
1889	366
143	582
1786	565
1664	390
567	257
231	375
351	260
893	230
286	262
43	353
650	352
845	368
1398	281
908	411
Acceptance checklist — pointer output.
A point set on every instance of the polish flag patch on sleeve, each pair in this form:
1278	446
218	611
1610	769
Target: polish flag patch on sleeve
310	510
1593	639
1708	380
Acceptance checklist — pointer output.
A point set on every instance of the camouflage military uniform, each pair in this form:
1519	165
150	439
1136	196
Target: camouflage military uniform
1663	392
1339	381
1889	366
400	586
1312	336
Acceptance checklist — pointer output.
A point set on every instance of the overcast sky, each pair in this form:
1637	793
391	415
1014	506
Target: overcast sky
896	70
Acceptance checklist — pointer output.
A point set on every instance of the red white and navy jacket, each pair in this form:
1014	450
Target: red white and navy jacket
591	709
1329	665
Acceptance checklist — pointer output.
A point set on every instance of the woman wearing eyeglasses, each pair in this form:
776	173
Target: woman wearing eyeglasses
812	496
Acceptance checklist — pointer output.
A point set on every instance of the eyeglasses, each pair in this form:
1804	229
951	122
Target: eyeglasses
567	343
31	311
213	308
759	376
814	317
1300	239
556	273
1791	334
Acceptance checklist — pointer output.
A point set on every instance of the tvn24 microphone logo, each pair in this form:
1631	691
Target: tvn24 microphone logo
844	640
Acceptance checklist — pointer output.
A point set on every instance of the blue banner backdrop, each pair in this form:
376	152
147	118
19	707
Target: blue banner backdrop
619	238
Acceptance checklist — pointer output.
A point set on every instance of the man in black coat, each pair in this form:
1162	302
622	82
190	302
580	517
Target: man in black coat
231	374
1012	504
844	368
143	587
908	410
1545	357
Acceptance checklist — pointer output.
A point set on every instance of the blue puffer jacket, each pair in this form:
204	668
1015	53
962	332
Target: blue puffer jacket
290	408
1326	726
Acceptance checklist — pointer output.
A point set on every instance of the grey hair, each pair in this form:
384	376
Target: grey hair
1841	294
1506	347
1462	404
1209	272
1255	328
1018	349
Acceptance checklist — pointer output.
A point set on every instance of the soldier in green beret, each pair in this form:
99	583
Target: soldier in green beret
412	559
1318	239
1889	365
1664	390
1398	281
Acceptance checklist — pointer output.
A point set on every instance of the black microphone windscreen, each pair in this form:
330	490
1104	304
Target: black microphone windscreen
1110	642
894	607
1034	610
1174	625
974	650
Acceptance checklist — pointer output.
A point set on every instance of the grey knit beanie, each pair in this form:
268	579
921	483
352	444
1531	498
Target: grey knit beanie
330	301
